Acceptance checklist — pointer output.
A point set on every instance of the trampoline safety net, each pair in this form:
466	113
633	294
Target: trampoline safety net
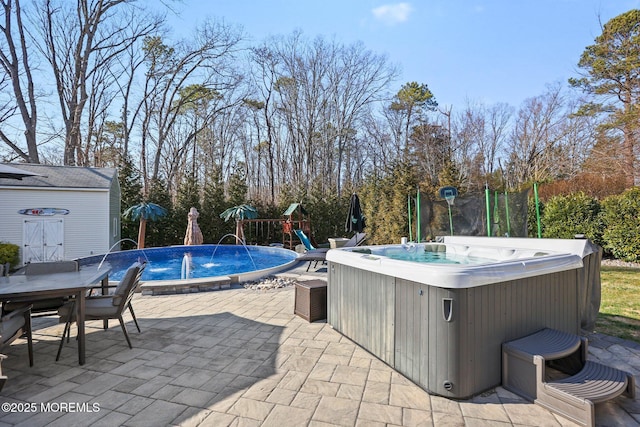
507	215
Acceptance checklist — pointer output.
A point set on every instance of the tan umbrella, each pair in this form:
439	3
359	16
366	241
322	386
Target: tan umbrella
194	235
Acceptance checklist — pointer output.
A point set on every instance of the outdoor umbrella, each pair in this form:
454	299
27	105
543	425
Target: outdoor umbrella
7	171
193	235
355	219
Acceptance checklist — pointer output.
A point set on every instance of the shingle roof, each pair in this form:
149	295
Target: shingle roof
62	176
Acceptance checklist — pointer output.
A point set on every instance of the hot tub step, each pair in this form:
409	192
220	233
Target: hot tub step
560	348
574	397
529	363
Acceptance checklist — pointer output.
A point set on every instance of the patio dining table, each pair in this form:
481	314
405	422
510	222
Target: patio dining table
24	287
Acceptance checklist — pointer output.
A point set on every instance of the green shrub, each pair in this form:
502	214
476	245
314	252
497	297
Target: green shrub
621	218
9	253
566	216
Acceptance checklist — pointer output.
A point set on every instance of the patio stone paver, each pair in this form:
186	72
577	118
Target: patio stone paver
442	419
159	413
417	418
376	392
334	410
250	408
237	357
353	392
285	415
382	413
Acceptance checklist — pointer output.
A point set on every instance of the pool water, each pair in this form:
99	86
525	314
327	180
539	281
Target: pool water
418	254
203	261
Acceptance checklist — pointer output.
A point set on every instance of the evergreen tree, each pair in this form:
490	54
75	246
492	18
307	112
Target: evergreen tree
164	231
188	196
130	195
237	187
612	66
213	204
327	212
384	203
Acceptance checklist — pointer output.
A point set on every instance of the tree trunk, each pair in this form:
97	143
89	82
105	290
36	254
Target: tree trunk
141	232
239	233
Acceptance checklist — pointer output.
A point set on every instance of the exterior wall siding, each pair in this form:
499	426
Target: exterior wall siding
86	227
115	227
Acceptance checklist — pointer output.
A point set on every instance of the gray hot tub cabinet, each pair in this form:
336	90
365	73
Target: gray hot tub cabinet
448	341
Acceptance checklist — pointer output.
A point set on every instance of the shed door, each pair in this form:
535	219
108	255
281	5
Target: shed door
43	240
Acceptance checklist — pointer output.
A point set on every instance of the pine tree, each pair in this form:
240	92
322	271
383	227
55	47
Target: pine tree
130	195
164	231
213	204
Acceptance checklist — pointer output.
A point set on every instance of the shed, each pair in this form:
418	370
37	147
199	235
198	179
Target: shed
66	213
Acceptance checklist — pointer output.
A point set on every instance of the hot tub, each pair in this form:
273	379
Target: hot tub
442	325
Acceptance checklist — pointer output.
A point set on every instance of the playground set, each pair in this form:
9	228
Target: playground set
270	229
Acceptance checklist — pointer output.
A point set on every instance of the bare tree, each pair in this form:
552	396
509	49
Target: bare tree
209	62
534	147
315	94
14	57
78	42
357	80
264	76
480	137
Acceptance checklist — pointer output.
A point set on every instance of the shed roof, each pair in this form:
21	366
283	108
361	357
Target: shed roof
62	177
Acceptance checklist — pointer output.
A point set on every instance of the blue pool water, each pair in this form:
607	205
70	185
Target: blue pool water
418	254
205	260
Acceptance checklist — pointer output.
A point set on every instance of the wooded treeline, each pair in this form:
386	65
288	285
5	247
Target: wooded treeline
292	115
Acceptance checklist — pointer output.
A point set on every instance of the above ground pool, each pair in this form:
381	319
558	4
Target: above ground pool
439	312
196	262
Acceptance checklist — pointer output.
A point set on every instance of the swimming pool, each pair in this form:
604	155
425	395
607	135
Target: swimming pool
196	262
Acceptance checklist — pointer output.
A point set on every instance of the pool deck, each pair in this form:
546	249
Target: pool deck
239	357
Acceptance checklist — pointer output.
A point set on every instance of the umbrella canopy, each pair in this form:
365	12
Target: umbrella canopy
194	235
239	213
355	218
10	172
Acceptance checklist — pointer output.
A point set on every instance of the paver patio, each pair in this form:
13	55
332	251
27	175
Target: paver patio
241	357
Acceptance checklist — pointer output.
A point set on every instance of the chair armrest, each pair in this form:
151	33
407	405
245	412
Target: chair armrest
24	311
100	286
91	290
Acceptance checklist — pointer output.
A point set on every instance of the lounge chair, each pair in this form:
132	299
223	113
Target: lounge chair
320	255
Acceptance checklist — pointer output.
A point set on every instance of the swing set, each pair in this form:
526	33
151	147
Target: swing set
270	230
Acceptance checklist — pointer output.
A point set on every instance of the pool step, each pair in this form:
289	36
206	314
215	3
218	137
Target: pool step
169	287
530	364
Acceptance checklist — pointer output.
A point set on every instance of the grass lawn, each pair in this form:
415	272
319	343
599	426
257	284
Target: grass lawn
620	307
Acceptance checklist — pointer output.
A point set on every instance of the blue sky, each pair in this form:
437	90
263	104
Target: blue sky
483	51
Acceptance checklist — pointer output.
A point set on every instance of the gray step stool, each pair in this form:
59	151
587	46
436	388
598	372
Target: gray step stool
525	364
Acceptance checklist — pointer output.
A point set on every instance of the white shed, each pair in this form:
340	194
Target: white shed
66	213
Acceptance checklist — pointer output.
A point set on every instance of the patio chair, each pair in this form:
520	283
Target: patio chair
41	306
13	326
320	255
106	307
